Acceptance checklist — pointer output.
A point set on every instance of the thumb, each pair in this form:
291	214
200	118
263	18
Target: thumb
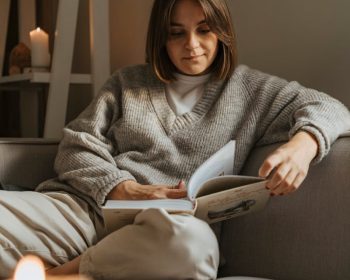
181	185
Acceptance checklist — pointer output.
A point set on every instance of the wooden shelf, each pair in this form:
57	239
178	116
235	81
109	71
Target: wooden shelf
43	78
56	83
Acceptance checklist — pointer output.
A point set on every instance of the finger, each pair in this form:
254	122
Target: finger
269	164
278	176
297	182
286	184
176	193
298	179
157	192
181	185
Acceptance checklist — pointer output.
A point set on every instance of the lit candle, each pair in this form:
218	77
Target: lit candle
32	268
39	41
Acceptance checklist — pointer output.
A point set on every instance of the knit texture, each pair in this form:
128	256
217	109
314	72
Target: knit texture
129	131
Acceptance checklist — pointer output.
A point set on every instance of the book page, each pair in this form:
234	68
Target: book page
218	184
169	204
220	163
119	213
233	202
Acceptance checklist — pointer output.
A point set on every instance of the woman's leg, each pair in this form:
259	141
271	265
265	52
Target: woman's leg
55	227
156	246
71	267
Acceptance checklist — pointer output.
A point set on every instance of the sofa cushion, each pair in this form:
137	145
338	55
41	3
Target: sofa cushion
304	235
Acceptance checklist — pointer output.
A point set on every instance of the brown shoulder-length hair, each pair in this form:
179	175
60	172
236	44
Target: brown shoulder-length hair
218	18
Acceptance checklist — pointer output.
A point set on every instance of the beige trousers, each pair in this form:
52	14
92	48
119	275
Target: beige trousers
58	227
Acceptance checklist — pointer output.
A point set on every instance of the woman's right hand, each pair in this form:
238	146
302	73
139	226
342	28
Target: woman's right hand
131	190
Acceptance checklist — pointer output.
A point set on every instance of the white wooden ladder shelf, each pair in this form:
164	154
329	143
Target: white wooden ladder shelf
60	77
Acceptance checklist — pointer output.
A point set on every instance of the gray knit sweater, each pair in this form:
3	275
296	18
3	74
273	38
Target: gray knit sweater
130	132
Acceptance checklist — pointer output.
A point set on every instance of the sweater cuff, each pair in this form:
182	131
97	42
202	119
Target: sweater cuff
122	176
323	147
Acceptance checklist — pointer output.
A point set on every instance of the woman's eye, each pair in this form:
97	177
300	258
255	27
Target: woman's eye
204	31
176	33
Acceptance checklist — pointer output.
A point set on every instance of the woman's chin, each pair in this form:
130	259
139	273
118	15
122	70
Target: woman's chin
193	72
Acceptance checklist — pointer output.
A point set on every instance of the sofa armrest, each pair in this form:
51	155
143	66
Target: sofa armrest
304	235
26	162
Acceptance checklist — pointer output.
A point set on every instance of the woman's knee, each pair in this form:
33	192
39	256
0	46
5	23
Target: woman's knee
164	247
195	248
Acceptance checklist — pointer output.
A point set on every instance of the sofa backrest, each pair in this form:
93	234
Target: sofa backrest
26	162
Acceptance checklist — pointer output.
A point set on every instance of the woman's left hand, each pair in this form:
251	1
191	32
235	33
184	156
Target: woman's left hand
287	166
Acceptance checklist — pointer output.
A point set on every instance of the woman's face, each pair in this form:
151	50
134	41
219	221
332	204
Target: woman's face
191	45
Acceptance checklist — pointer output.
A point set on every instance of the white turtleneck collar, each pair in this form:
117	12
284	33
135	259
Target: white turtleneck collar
185	92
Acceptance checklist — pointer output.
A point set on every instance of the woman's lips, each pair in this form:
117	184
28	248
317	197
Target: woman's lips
193	57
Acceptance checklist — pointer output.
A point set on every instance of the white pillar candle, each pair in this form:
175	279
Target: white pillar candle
32	268
39	40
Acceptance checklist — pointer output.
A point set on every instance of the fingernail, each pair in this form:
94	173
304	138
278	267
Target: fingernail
181	182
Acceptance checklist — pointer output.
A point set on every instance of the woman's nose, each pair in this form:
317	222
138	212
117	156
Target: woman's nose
192	41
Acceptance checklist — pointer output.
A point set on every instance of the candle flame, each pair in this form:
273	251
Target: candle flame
30	267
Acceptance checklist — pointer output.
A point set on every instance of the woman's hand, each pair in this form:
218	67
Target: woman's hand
287	166
131	190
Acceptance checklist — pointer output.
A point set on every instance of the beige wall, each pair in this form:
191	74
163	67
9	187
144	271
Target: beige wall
129	20
307	41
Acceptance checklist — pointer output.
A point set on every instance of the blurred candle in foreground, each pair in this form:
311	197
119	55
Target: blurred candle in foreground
30	268
39	41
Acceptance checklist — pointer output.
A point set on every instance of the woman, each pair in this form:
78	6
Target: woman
153	125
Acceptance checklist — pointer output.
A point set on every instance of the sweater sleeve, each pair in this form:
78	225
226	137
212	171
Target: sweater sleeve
85	155
285	108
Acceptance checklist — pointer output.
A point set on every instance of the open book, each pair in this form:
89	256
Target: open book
214	194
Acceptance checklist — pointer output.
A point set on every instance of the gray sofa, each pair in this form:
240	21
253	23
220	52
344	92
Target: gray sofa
305	235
